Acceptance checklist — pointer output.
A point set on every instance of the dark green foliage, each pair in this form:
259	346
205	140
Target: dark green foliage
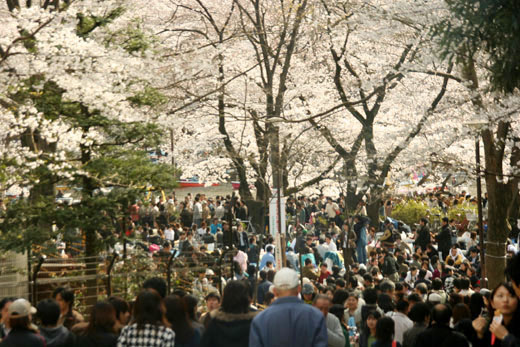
117	161
136	41
88	23
148	97
491	25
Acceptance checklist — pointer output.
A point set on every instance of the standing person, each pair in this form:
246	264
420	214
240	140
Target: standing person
4	316
370	297
230	324
65	298
347	240
185	334
267	257
122	312
444	238
420	315
100	329
513	273
253	252
401	320
23	332
372	319
361	239
147	328
504	303
186	215
385	333
439	334
263	287
288	321
423	237
197	212
390	267
55	335
337	310
334	332
243	240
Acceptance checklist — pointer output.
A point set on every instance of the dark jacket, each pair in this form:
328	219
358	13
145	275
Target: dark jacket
23	337
389	265
441	336
58	336
253	253
385	344
512	339
410	335
423	237
228	329
444	240
300	244
186	217
193	342
263	287
98	339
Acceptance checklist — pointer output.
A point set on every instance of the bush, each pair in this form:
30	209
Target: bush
411	211
461	212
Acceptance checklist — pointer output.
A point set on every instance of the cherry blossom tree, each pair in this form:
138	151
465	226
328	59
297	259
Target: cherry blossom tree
78	98
482	40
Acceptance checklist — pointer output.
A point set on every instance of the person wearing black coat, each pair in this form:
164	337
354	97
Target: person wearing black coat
390	267
444	238
439	333
423	235
230	325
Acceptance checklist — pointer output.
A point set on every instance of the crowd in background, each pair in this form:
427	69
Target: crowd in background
346	283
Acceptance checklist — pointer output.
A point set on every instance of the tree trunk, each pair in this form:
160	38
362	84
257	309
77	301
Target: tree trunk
89	230
256	210
497	232
498	201
373	211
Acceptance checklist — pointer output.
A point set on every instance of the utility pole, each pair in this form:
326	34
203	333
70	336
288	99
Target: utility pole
172	147
480	222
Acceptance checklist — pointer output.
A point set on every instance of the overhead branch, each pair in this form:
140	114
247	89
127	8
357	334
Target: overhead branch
30	36
413	133
314	180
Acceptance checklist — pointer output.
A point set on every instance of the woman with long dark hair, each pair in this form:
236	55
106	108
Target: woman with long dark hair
385	330
176	313
147	328
505	318
100	330
230	325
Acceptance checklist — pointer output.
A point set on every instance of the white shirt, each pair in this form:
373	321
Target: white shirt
322	249
411	279
332	246
169	234
402	323
330	209
197	210
219	212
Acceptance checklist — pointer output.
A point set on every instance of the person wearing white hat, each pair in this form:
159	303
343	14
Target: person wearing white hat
288	321
23	332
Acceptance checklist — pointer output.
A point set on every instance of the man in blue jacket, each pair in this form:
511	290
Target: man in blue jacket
288	321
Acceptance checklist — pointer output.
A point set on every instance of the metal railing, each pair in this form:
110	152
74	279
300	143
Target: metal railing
96	278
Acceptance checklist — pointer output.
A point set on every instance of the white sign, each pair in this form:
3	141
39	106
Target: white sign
278	251
273	214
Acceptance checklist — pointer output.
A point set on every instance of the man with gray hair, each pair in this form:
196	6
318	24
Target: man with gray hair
335	333
288	321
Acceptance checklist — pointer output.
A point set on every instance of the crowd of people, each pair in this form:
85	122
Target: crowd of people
345	283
